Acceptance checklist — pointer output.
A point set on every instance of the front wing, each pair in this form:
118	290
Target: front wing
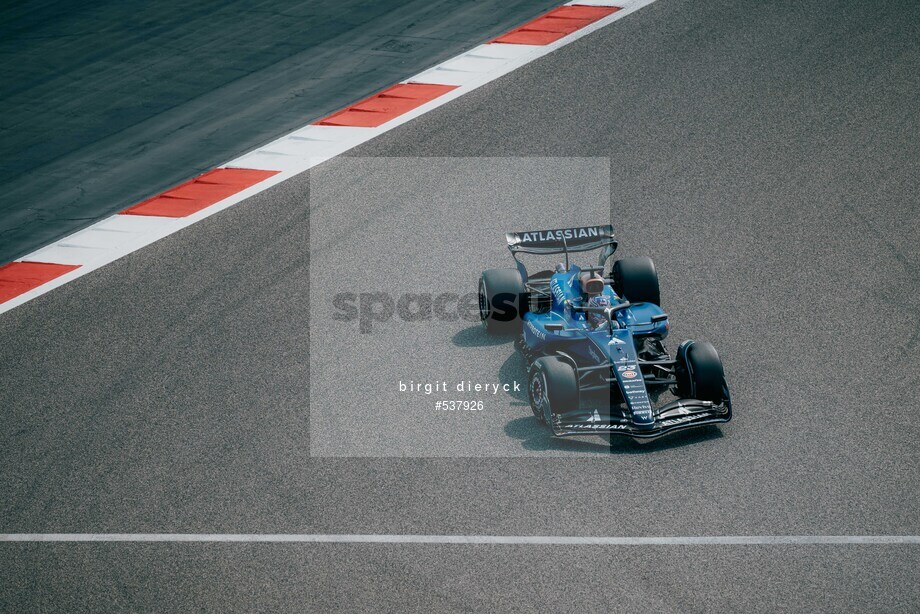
675	416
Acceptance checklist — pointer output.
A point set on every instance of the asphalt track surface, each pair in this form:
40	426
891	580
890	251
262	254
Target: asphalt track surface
764	156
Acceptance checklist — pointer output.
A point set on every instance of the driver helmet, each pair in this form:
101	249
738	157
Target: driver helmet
593	287
592	284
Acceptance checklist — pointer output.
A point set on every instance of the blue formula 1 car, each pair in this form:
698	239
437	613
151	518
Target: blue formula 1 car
594	345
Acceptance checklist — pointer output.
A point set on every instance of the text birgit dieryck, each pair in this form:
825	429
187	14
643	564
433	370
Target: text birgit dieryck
464	386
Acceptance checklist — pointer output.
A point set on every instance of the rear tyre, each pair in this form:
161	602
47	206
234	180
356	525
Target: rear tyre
553	388
699	372
502	301
637	280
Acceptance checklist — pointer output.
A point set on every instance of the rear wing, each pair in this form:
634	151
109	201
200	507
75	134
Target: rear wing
564	241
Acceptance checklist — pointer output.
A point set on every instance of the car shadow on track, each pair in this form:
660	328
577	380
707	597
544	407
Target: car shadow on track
476	336
512	371
624	445
535	436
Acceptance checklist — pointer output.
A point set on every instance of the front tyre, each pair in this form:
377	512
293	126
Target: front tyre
502	301
699	372
637	280
553	388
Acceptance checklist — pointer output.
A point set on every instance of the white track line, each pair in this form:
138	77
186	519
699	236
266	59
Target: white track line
502	540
